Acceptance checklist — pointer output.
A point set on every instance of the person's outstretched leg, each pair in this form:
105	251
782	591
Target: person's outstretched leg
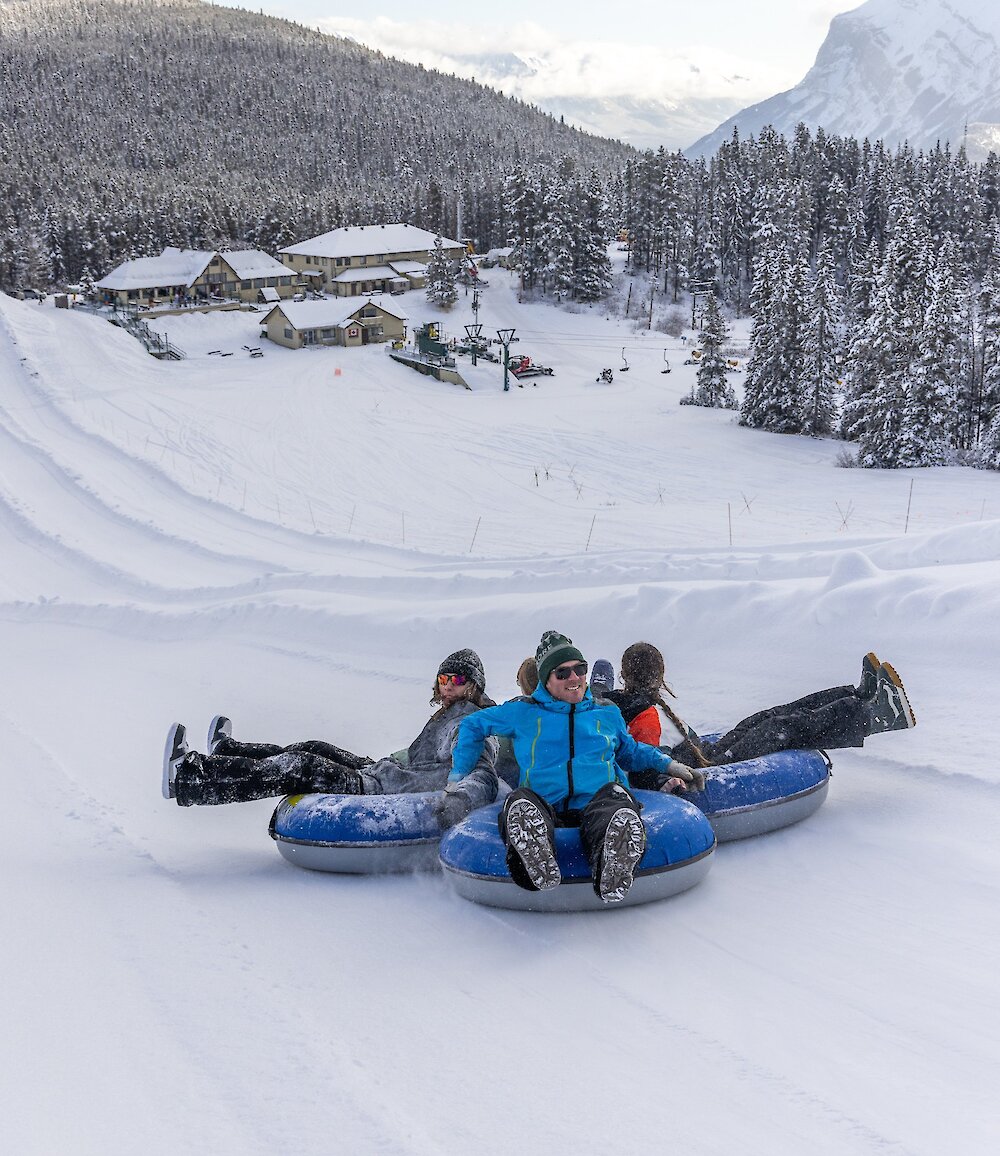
829	719
614	840
527	827
211	780
229	747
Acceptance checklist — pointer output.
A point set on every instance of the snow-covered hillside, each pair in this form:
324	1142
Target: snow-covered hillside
297	540
922	71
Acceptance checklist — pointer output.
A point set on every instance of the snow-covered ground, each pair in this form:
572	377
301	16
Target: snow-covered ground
297	540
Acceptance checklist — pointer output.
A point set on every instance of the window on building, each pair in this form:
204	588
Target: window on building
259	282
246	285
369	311
289	334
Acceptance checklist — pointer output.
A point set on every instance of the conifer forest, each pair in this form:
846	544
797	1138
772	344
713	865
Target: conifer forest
871	275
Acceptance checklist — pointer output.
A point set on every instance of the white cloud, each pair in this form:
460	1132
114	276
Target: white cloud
557	67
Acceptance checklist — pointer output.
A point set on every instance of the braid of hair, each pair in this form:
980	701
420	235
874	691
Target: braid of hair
683	729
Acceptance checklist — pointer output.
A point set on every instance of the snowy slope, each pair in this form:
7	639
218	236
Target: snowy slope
299	546
922	71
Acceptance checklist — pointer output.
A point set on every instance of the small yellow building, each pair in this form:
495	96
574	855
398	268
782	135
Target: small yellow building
295	324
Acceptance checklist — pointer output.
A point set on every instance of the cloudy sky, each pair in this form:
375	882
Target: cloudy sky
720	55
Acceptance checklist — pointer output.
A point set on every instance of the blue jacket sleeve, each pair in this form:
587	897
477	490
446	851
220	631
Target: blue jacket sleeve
473	732
636	756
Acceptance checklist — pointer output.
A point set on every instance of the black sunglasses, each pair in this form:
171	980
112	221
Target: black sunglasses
563	672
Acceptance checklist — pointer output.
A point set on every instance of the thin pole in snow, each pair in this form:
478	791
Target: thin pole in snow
982	510
729	511
909	500
592	521
351	522
474	533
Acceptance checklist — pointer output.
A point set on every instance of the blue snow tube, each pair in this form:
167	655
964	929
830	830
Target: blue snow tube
679	846
357	834
761	795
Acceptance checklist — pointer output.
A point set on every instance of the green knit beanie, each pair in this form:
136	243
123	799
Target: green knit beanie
553	651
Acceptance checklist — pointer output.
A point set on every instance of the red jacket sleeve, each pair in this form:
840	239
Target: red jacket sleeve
645	727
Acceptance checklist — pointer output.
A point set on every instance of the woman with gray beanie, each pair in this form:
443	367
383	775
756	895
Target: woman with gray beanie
237	772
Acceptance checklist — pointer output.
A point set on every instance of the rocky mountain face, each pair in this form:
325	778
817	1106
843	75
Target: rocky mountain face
920	71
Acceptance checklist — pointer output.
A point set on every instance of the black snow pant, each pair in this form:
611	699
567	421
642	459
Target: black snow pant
592	819
240	772
828	719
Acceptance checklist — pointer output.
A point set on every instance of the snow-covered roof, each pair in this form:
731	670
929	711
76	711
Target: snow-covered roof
369	273
364	240
409	266
269	293
248	263
327	314
172	267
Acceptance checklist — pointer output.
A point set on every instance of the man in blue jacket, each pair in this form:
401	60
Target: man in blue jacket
573	752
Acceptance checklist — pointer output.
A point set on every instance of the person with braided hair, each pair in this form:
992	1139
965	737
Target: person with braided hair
843	716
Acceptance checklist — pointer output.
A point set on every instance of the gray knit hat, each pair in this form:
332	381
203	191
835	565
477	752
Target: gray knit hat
553	650
465	662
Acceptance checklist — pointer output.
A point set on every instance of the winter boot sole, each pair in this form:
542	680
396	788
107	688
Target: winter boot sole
218	729
624	844
868	687
174	752
528	834
904	702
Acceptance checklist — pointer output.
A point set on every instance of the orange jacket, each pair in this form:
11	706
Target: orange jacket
645	727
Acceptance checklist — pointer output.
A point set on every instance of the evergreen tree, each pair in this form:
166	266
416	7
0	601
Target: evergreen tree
558	235
763	377
441	288
713	389
592	277
820	352
931	386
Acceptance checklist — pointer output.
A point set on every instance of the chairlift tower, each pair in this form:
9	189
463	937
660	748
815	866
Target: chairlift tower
473	332
699	289
506	336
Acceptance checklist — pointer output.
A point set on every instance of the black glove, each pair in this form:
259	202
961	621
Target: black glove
450	807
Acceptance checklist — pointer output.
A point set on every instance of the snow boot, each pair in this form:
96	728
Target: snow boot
624	846
530	839
174	753
890	709
868	686
218	729
602	678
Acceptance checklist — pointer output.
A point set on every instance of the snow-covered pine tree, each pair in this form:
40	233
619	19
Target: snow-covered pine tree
592	277
985	403
821	349
440	277
713	389
558	233
930	392
887	346
763	376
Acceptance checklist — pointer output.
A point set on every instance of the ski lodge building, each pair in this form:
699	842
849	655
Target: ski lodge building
363	259
295	324
196	275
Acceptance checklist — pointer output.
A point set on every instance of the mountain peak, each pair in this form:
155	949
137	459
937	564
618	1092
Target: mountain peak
920	71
